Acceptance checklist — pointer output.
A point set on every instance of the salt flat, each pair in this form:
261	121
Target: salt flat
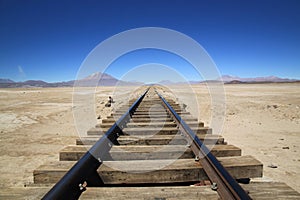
262	119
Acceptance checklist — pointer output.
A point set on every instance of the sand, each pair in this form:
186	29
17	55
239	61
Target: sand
262	119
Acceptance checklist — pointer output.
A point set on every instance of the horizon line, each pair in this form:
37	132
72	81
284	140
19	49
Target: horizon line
232	76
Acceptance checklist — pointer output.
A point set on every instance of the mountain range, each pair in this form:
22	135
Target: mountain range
271	79
228	79
95	79
103	79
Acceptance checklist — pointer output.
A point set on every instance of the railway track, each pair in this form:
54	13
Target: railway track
153	150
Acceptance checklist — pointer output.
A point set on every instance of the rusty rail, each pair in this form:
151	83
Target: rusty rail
84	172
223	182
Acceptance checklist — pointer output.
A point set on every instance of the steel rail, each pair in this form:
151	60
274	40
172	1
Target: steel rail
84	172
225	184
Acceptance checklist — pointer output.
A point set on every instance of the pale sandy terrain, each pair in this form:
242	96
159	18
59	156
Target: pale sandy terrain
262	119
35	124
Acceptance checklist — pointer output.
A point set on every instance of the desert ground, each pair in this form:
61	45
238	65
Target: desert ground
262	119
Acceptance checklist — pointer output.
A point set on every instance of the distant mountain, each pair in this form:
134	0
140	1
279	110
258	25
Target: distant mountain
103	79
228	78
6	80
193	82
98	75
95	79
26	84
267	79
166	82
37	83
235	82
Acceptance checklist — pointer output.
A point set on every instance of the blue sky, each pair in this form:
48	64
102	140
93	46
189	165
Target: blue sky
49	39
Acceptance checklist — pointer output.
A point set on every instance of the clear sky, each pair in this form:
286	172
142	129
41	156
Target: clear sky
49	39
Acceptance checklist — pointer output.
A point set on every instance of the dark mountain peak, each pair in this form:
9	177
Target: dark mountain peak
235	82
35	82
